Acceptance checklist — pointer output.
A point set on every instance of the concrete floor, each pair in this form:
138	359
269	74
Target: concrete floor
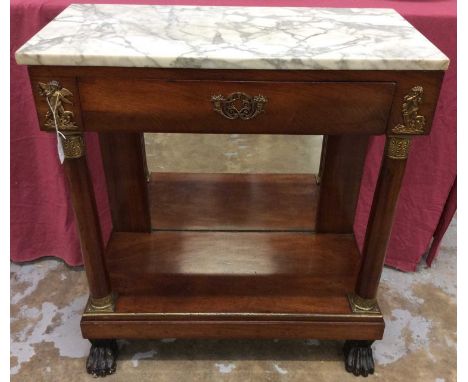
47	299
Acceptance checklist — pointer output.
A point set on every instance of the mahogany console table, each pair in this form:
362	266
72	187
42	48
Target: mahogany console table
231	255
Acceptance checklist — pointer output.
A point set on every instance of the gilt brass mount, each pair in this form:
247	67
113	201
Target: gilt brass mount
398	147
413	123
61	120
101	305
363	305
57	97
238	105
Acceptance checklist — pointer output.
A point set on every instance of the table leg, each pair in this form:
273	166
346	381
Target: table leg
84	206
380	223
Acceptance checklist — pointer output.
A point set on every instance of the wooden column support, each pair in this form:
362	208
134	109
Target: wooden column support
126	173
340	174
84	206
380	222
63	115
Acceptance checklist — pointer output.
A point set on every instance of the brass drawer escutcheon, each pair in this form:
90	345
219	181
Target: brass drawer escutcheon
238	105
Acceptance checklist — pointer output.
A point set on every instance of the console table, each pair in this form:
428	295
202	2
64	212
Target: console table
231	255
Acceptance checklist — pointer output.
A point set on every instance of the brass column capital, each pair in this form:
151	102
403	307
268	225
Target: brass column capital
73	145
397	147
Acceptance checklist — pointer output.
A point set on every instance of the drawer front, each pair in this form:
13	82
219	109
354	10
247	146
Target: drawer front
235	107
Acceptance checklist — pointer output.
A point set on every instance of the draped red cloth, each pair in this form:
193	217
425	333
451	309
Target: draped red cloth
41	217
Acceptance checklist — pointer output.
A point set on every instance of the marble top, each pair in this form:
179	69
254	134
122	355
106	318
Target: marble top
232	38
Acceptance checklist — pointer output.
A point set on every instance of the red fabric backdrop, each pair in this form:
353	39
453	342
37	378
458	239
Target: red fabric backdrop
42	220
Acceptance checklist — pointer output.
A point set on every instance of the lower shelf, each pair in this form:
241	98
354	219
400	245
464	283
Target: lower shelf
232	285
241	202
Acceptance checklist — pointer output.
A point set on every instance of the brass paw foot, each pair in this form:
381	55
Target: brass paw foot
358	357
102	358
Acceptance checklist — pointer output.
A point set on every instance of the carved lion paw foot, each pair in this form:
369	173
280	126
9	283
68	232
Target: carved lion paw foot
102	358
358	357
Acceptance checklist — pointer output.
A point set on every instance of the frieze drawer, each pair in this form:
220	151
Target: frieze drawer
236	106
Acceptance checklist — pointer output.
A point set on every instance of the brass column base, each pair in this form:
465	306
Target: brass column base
101	305
363	305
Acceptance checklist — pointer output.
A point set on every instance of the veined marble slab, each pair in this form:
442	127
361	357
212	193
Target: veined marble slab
232	38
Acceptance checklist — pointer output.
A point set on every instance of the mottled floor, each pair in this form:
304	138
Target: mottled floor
47	298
